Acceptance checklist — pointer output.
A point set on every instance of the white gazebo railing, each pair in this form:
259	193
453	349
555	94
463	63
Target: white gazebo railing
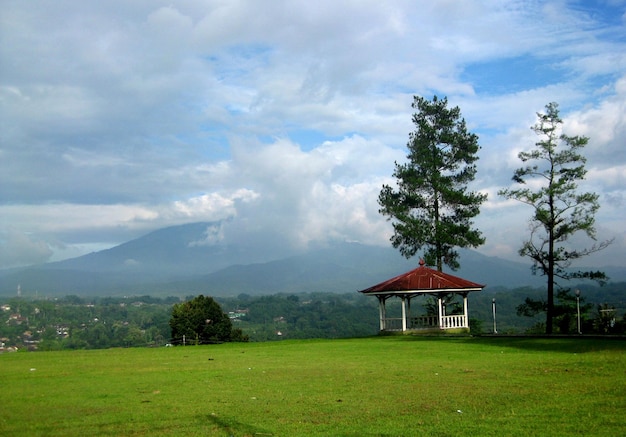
425	322
456	321
392	324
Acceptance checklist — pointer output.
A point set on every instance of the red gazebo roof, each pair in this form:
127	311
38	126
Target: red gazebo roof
423	279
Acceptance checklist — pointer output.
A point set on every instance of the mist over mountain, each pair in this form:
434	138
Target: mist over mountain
165	253
189	259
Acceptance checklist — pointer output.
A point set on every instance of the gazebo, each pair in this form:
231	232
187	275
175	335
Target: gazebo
418	282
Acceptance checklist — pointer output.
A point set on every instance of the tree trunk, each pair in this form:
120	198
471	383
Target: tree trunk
438	242
550	309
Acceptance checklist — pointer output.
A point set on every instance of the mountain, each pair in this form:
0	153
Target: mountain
164	255
177	250
346	267
180	261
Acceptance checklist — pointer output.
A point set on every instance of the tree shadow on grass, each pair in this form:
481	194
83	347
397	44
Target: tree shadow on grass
573	344
233	427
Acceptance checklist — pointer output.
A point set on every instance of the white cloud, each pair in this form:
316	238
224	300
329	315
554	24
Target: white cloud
284	117
605	126
52	218
214	234
211	207
343	213
311	192
19	248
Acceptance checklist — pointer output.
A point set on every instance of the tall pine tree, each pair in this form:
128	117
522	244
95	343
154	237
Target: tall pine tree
431	207
549	185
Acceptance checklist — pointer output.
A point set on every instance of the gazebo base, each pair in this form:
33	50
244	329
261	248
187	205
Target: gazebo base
427	331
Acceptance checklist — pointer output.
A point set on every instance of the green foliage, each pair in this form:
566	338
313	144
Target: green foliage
554	168
565	310
199	321
431	206
605	321
348	387
476	326
78	323
144	322
311	315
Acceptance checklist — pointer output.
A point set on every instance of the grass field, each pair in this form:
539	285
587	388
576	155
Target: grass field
381	386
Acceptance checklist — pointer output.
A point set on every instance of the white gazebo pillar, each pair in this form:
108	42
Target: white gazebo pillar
408	313
439	312
382	312
465	313
403	313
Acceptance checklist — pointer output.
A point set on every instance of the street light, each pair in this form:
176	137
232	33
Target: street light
578	309
493	308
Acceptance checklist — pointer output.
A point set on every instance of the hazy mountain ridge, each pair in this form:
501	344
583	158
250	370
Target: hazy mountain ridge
172	250
177	261
348	267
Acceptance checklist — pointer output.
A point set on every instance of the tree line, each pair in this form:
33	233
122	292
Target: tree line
73	322
98	323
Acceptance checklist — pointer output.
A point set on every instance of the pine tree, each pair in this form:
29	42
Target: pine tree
431	206
559	210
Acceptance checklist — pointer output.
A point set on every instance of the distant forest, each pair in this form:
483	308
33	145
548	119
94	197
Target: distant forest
74	322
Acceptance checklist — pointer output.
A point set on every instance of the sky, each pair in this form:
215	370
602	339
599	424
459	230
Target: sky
282	120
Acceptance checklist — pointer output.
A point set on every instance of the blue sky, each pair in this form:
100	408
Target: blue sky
283	119
513	75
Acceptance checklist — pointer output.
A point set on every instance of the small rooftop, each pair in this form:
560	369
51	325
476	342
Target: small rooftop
423	279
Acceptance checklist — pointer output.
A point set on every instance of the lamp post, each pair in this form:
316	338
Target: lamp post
578	309
493	309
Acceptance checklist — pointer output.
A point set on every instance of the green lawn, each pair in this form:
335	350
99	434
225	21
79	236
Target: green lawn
381	386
